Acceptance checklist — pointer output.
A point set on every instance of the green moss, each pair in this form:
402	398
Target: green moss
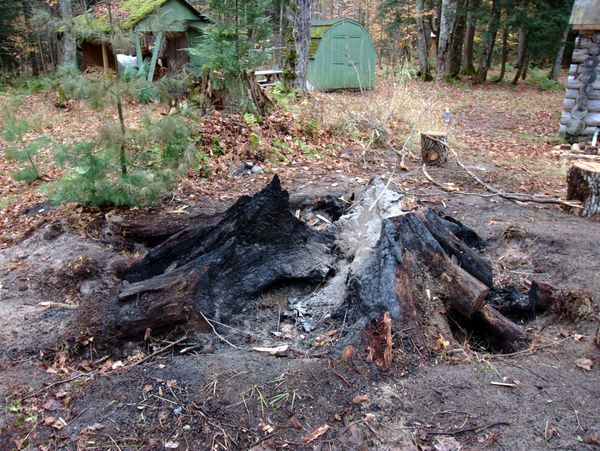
317	31
136	11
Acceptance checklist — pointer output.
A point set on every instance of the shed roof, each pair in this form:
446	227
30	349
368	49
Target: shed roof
126	14
586	15
318	28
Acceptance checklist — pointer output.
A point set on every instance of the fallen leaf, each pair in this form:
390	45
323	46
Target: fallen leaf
316	433
446	443
147	388
360	399
117	364
584	364
52	405
591	438
55	423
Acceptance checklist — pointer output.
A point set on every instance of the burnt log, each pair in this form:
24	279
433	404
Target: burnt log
412	276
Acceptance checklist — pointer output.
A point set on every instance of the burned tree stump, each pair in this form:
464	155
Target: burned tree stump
416	266
434	148
583	184
215	271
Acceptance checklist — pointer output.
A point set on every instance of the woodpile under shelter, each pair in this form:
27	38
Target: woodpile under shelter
341	56
163	32
580	119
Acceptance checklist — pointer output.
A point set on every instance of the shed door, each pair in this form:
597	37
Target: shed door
354	72
345	62
338	62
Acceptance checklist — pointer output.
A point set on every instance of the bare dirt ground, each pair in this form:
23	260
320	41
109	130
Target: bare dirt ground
203	393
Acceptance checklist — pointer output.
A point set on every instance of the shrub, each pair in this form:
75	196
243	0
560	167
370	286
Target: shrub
155	156
23	151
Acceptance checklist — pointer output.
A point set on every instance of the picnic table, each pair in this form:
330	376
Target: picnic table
266	78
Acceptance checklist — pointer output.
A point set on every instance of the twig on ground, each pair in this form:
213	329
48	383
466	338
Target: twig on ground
157	352
475	429
532	349
75	417
54	384
260	440
495	191
348	384
219	336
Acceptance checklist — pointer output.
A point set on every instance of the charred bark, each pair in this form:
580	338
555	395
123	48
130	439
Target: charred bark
416	266
215	270
420	271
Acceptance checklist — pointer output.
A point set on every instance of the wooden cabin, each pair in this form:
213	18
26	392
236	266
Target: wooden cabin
164	30
580	119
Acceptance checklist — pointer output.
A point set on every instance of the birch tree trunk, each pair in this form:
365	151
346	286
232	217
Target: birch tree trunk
467	55
448	16
301	31
422	43
69	45
559	55
486	56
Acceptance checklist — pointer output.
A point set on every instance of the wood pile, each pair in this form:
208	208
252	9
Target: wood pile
581	109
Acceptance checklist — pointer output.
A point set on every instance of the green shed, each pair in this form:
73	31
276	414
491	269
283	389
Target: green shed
341	56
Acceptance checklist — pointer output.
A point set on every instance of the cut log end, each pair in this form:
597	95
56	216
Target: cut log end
434	148
583	184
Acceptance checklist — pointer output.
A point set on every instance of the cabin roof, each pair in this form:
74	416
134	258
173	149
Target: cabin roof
126	14
586	15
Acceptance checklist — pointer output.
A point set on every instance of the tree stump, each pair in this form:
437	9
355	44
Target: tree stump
414	266
583	184
434	148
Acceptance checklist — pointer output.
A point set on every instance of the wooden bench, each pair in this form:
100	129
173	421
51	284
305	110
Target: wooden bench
266	78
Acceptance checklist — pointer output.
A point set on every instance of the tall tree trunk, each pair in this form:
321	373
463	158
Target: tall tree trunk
468	68
422	43
521	54
527	64
458	39
69	45
486	56
447	18
504	56
301	31
559	55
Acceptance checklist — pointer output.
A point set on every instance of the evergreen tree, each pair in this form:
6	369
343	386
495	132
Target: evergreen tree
234	45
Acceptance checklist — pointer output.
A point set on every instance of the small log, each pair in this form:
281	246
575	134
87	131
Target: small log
590	93
583	184
542	295
507	334
434	148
